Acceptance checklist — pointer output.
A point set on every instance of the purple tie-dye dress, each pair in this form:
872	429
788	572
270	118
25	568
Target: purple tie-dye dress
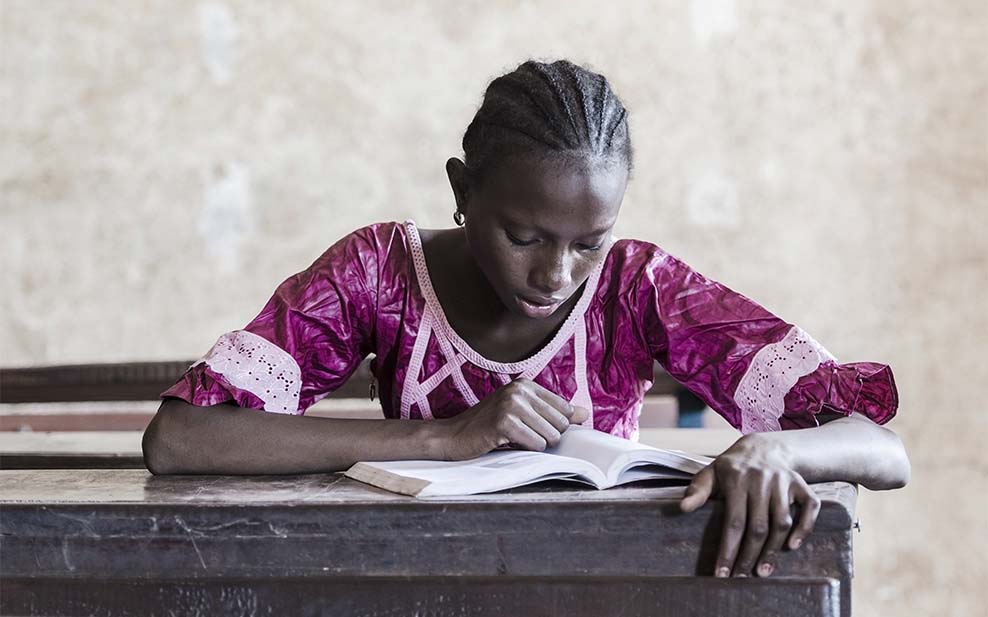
370	293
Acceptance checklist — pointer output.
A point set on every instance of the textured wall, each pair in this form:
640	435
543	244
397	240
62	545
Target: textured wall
164	164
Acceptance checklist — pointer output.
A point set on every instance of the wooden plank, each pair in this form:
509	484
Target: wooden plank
144	381
136	415
71	450
128	443
657	411
434	596
122	449
130	381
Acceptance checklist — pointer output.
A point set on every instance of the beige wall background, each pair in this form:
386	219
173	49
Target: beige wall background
165	164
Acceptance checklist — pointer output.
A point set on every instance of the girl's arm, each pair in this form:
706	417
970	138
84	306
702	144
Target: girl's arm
848	449
764	375
225	439
762	474
308	339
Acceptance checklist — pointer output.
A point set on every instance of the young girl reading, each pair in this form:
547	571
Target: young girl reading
527	317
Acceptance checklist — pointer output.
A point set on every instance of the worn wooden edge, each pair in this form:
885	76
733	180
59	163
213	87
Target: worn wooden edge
57	460
434	596
138	486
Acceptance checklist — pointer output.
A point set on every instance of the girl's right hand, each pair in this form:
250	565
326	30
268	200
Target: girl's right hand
521	412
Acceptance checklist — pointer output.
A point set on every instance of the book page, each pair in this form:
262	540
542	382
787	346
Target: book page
614	455
493	471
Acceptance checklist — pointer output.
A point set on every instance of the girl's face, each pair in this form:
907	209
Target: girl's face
538	228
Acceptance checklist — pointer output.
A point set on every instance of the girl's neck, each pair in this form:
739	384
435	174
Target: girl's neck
473	308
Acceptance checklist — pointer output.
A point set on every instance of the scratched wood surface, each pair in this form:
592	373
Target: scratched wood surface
436	597
129	524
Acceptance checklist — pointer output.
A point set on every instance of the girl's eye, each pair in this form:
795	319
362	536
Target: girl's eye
518	241
590	248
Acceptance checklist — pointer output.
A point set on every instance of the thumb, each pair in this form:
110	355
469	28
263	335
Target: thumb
580	415
699	490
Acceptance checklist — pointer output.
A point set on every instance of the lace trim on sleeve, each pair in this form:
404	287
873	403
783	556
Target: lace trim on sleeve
773	371
254	364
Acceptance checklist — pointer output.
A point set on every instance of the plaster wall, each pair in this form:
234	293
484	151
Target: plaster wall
165	164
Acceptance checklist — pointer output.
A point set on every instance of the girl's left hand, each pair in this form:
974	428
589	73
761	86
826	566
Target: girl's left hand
758	484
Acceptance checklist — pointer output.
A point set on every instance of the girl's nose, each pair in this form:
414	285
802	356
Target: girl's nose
552	275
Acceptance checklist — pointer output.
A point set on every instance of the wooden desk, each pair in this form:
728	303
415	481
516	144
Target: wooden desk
322	542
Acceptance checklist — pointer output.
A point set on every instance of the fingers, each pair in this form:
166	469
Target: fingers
808	511
699	490
757	529
550	414
545	421
580	415
572	413
781	522
513	430
531	417
735	520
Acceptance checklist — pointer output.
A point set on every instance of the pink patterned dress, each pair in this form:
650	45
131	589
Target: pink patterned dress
370	293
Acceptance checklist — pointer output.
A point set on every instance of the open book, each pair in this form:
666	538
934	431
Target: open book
582	455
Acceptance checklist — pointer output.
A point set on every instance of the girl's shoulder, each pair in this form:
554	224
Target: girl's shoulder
382	234
631	263
370	258
373	243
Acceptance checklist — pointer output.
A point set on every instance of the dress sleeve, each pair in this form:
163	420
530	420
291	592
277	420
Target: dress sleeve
306	341
754	369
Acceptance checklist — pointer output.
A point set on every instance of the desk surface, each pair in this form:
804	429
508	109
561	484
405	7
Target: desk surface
139	487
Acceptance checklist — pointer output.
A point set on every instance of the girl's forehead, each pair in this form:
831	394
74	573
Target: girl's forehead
533	191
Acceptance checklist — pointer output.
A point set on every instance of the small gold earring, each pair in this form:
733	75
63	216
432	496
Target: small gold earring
459	218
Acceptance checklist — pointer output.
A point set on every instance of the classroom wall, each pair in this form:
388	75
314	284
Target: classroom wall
165	164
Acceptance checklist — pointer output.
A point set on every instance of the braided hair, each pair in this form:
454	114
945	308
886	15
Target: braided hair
557	110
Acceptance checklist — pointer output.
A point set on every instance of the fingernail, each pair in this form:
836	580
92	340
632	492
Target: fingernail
723	572
742	575
795	543
765	569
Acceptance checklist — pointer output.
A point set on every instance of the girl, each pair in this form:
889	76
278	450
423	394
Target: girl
523	319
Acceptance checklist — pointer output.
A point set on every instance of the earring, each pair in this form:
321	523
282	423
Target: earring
459	218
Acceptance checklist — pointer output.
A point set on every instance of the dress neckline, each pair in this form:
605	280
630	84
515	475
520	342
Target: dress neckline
540	357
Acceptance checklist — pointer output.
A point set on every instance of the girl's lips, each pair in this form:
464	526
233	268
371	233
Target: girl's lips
536	311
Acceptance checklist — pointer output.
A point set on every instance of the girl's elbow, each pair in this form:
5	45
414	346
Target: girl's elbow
154	451
156	444
903	469
897	470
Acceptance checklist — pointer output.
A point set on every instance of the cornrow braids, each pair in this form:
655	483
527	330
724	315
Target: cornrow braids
558	109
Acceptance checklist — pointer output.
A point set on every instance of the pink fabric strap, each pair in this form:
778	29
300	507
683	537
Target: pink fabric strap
457	351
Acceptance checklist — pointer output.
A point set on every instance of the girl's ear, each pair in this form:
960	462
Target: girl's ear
459	181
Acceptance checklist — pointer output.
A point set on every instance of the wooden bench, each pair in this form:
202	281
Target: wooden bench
124	397
122	449
144	381
41	407
132	543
